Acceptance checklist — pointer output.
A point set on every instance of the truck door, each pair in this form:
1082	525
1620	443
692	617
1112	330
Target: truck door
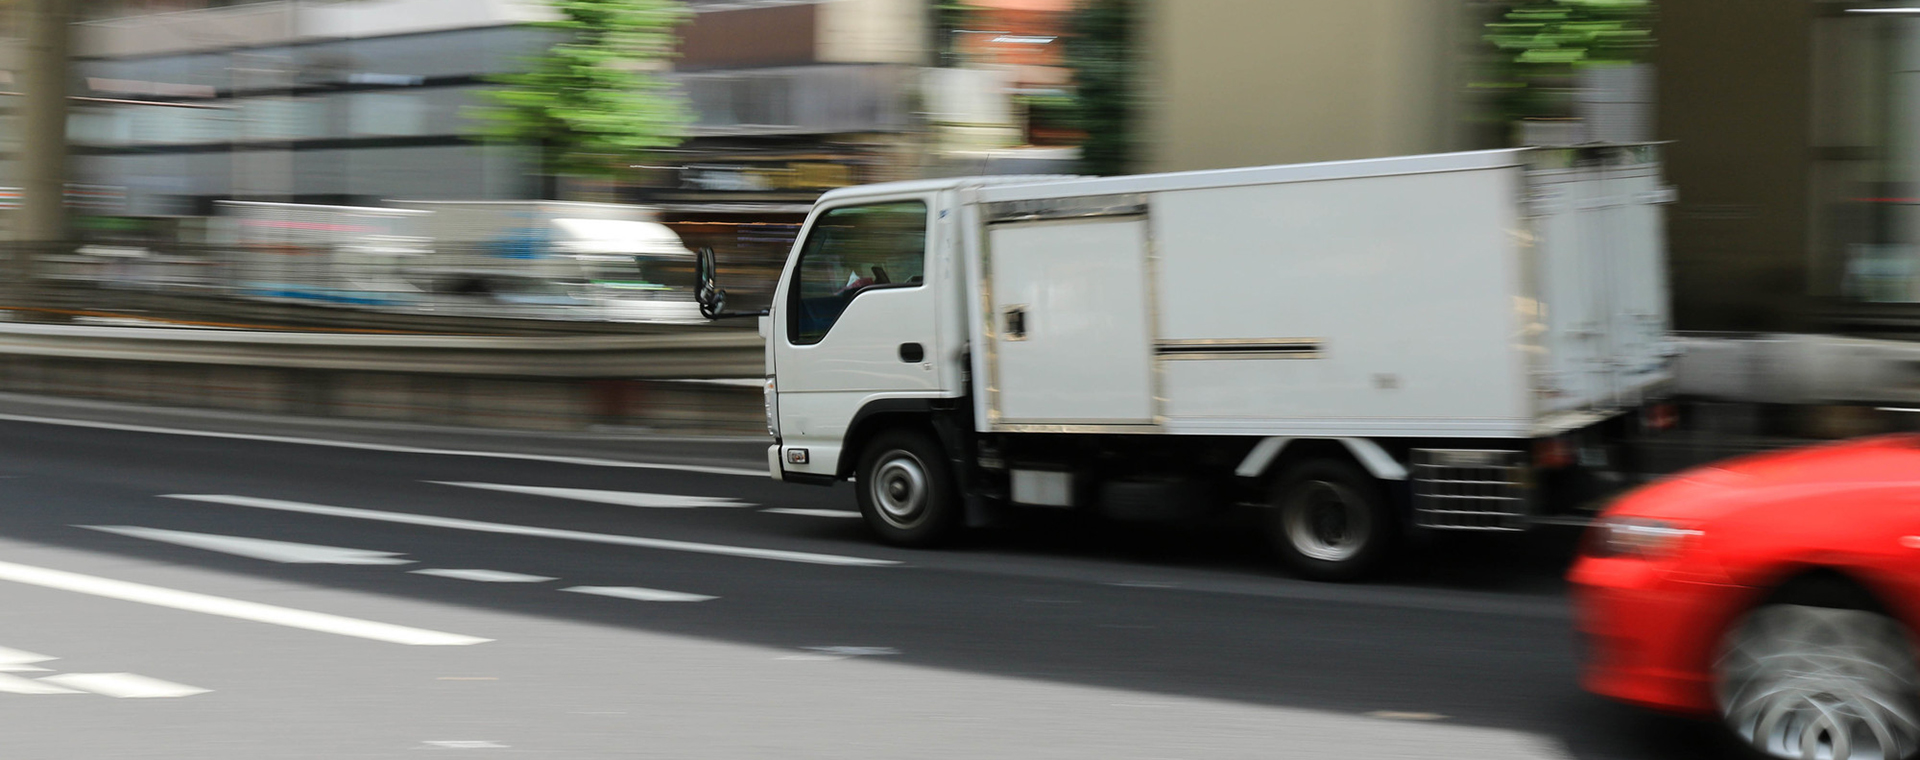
856	322
1073	323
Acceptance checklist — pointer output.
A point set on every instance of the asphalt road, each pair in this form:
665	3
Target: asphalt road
683	609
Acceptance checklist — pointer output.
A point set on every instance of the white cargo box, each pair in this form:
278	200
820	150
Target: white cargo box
1497	294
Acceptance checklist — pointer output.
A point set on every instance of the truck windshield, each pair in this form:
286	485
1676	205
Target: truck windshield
849	250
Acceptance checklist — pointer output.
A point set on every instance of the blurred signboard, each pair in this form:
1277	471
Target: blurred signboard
767	177
104	199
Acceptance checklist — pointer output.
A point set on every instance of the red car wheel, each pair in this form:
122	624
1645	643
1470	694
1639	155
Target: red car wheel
1805	682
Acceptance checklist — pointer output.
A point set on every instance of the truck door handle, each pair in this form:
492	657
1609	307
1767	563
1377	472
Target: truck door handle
1016	322
912	353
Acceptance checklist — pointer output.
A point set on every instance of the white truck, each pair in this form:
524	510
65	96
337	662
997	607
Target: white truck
613	261
1363	348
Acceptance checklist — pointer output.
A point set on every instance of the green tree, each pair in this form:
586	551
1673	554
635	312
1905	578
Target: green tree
595	98
1538	46
1101	52
949	17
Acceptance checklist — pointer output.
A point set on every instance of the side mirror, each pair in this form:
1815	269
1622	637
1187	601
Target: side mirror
712	300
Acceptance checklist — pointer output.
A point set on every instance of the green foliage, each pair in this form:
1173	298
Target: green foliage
949	16
1055	111
1101	52
1538	46
593	100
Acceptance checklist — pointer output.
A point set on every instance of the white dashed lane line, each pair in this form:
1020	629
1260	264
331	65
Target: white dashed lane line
124	685
483	576
617	498
812	512
640	594
455	523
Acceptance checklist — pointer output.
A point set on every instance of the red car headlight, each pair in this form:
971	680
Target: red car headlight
1637	537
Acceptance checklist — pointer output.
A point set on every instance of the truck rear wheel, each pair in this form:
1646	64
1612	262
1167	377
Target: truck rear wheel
1331	521
906	489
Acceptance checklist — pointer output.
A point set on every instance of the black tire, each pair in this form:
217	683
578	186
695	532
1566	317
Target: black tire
1331	521
906	489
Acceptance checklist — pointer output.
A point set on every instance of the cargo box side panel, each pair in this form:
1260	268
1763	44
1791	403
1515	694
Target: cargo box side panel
1371	306
1070	324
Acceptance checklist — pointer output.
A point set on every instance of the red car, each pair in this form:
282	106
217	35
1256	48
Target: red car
1778	592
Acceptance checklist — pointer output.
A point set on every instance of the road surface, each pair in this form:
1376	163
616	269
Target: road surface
223	587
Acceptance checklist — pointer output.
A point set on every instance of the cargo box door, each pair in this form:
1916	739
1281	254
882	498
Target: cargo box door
1070	328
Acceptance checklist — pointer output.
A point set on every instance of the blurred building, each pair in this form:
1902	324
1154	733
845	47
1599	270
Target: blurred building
1796	129
315	102
791	98
1001	101
1251	82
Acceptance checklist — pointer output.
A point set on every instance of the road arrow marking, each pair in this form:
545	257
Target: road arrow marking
16	661
619	498
455	523
17	685
259	548
640	594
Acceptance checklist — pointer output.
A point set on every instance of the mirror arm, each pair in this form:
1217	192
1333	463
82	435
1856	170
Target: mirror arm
711	298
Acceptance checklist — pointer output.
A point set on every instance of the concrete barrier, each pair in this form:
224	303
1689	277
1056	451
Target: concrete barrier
664	382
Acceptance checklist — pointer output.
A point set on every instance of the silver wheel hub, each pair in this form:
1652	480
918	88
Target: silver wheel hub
1327	521
1814	683
900	489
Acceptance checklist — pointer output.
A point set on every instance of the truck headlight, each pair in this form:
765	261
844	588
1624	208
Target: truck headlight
773	408
1637	537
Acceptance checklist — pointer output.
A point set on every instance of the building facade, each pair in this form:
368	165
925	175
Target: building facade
1252	82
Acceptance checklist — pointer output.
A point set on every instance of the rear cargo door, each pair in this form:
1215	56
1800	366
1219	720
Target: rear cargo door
1602	280
1071	329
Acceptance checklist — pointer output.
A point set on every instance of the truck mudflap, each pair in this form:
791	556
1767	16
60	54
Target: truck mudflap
1470	489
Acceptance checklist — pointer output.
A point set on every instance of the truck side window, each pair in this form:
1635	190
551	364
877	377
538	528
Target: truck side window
849	250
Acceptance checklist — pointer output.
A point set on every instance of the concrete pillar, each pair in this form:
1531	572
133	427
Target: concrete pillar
43	151
42	223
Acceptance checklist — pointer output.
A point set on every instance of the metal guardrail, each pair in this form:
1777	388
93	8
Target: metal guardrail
212	309
718	355
1799	369
448	288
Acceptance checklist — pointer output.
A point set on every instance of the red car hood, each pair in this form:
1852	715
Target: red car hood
1703	493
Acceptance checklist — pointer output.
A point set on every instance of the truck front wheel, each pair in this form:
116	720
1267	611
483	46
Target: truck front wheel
1331	521
906	489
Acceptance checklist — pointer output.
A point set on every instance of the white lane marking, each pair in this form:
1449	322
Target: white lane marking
812	512
259	548
233	608
1397	715
465	744
483	576
620	498
528	530
640	594
124	685
828	654
14	660
17	685
554	459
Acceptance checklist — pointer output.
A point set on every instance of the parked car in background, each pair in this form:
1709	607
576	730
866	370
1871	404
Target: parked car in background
1779	592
